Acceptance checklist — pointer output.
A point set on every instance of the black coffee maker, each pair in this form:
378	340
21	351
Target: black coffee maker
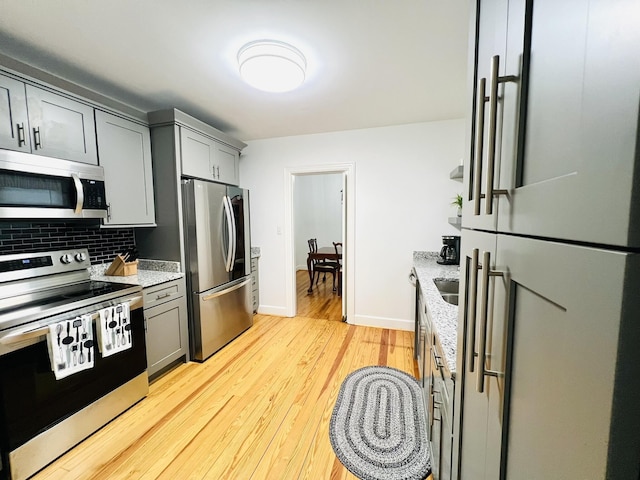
450	252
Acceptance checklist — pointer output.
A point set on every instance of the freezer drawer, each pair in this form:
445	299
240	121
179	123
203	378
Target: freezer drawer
219	316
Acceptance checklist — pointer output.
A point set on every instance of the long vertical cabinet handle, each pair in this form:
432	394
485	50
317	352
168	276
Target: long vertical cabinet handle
493	125
473	295
227	212
484	310
477	161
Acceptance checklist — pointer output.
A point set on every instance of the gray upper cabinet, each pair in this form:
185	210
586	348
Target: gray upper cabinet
124	149
226	161
201	151
35	120
14	122
197	154
61	127
204	157
559	131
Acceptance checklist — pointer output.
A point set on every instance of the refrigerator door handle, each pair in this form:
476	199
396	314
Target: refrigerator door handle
484	309
230	231
224	292
235	236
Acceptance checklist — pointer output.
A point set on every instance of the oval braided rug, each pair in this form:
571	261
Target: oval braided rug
378	427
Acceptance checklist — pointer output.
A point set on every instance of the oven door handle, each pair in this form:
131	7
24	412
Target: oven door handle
30	333
22	335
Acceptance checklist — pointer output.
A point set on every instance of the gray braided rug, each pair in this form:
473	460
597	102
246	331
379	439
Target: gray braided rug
378	427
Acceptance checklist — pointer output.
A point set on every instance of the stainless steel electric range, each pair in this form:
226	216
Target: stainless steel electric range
41	417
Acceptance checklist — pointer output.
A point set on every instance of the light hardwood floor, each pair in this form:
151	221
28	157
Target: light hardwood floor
257	409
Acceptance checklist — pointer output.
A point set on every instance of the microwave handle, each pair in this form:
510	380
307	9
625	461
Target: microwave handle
79	193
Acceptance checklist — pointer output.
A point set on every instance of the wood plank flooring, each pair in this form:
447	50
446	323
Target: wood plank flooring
257	409
321	303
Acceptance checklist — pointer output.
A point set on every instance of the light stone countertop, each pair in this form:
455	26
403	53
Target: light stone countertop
150	273
444	316
255	252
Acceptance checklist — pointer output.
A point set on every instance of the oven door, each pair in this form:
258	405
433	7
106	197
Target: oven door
32	400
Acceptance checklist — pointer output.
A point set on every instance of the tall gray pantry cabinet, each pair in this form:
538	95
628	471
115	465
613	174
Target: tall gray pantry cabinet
550	269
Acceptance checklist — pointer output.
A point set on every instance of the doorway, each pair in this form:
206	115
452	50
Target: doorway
317	213
346	175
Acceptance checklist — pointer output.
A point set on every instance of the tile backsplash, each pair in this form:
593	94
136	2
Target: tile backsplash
103	243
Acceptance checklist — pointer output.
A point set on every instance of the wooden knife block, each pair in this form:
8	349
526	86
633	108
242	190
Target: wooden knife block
120	268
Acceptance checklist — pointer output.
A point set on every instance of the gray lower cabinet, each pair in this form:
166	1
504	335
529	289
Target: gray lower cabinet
37	120
124	149
165	314
254	284
437	385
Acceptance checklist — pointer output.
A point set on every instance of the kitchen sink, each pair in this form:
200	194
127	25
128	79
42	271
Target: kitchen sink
449	290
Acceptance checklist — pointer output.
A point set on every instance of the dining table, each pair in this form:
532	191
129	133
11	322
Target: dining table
323	253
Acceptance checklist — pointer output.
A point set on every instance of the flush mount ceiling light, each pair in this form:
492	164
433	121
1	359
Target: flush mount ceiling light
272	66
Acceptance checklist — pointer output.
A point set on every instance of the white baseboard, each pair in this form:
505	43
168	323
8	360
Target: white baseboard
272	310
382	322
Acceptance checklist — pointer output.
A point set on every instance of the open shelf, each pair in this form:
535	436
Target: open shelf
455	221
456	173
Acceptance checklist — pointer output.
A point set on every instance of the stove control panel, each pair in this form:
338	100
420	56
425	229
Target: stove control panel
29	265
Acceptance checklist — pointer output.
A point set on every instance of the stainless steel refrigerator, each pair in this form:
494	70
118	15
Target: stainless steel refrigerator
218	255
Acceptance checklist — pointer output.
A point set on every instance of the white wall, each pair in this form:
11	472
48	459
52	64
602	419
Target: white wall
317	212
402	201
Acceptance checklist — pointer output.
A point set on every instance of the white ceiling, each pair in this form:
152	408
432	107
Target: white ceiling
370	62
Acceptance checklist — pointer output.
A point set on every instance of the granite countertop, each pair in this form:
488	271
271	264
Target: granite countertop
255	252
444	316
150	273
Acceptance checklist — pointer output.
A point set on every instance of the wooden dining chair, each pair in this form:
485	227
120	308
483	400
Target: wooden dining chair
322	266
338	247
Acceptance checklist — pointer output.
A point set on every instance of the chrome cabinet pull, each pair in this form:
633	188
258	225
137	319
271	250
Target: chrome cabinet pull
477	180
493	121
473	296
21	138
164	295
36	138
484	308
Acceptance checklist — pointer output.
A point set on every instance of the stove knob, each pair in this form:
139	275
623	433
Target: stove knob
66	258
80	257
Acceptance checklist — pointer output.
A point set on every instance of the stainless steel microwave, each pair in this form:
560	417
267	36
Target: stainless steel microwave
37	187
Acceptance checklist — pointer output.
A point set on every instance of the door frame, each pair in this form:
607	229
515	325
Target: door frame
348	171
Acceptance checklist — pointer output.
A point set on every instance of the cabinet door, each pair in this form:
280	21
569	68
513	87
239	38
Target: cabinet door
572	375
479	330
166	334
14	123
491	37
124	149
197	153
578	172
226	161
61	127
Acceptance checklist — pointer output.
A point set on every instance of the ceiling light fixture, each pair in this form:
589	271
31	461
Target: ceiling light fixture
272	66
